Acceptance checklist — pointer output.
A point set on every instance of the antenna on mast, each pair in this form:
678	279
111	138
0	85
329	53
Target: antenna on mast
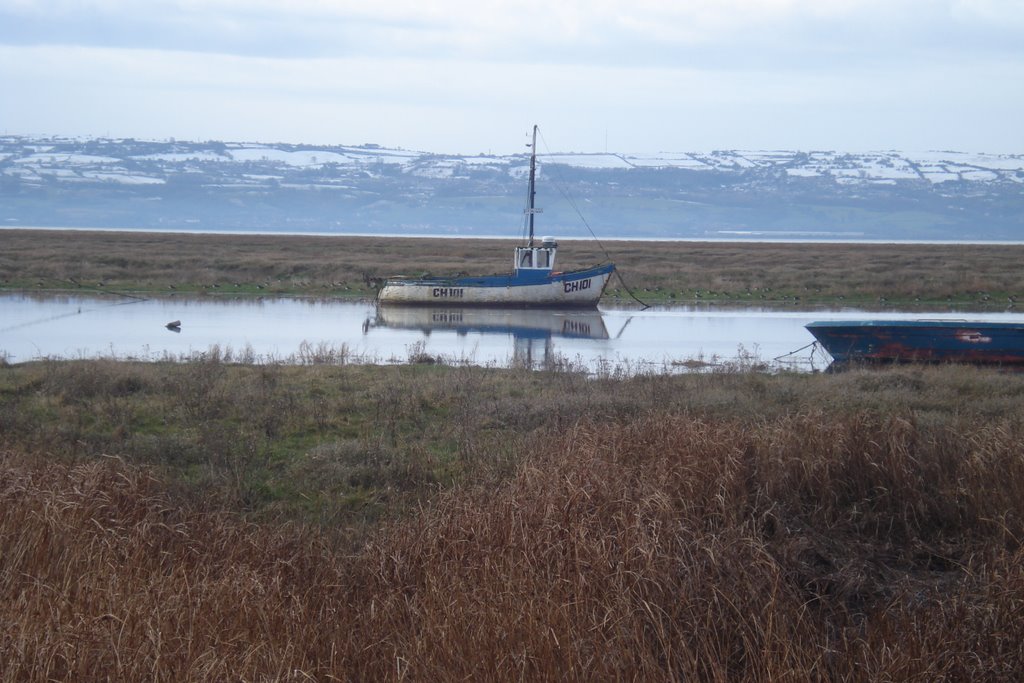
532	192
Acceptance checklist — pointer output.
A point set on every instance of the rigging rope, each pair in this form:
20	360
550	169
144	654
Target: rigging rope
565	193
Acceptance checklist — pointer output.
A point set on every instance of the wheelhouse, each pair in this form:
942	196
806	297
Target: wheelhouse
538	259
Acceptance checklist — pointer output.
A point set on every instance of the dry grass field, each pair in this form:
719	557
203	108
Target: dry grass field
214	521
974	276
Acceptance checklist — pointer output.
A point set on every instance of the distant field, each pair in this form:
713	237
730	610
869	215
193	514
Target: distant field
970	276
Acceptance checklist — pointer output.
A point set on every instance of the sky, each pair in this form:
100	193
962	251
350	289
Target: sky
473	76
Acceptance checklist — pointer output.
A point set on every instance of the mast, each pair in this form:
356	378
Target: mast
532	192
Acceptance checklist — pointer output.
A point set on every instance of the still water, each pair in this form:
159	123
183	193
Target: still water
306	330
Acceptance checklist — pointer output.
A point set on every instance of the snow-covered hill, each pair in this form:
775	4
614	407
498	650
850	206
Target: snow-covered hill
257	186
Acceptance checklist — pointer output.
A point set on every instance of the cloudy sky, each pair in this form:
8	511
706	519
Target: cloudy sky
472	76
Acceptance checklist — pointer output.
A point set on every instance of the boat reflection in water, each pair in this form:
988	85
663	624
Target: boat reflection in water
533	331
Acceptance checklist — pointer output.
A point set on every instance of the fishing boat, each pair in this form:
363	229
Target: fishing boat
533	282
894	341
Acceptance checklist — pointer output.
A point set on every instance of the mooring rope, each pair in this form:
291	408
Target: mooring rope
815	347
793	353
565	193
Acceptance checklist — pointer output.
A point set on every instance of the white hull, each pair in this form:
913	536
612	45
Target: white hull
585	291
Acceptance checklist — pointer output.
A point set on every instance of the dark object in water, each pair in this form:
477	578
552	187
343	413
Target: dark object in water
935	341
174	325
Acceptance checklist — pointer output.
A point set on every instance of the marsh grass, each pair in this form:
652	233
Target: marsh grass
211	520
878	275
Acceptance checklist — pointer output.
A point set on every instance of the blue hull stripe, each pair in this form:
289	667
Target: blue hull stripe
523	278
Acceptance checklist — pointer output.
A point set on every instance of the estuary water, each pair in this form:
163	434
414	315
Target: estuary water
294	330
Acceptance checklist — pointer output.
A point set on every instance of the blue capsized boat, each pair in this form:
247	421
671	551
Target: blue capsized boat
533	282
936	341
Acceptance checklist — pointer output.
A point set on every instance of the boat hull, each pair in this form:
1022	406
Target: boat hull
921	341
575	289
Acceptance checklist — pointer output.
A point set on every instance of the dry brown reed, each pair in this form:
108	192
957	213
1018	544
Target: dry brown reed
811	545
104	578
674	548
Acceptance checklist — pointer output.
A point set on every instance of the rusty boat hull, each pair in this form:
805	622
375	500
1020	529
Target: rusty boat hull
921	341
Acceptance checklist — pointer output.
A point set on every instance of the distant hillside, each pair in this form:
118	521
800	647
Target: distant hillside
60	182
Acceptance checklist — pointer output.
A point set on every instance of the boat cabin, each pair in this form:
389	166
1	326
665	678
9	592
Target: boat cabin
536	259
